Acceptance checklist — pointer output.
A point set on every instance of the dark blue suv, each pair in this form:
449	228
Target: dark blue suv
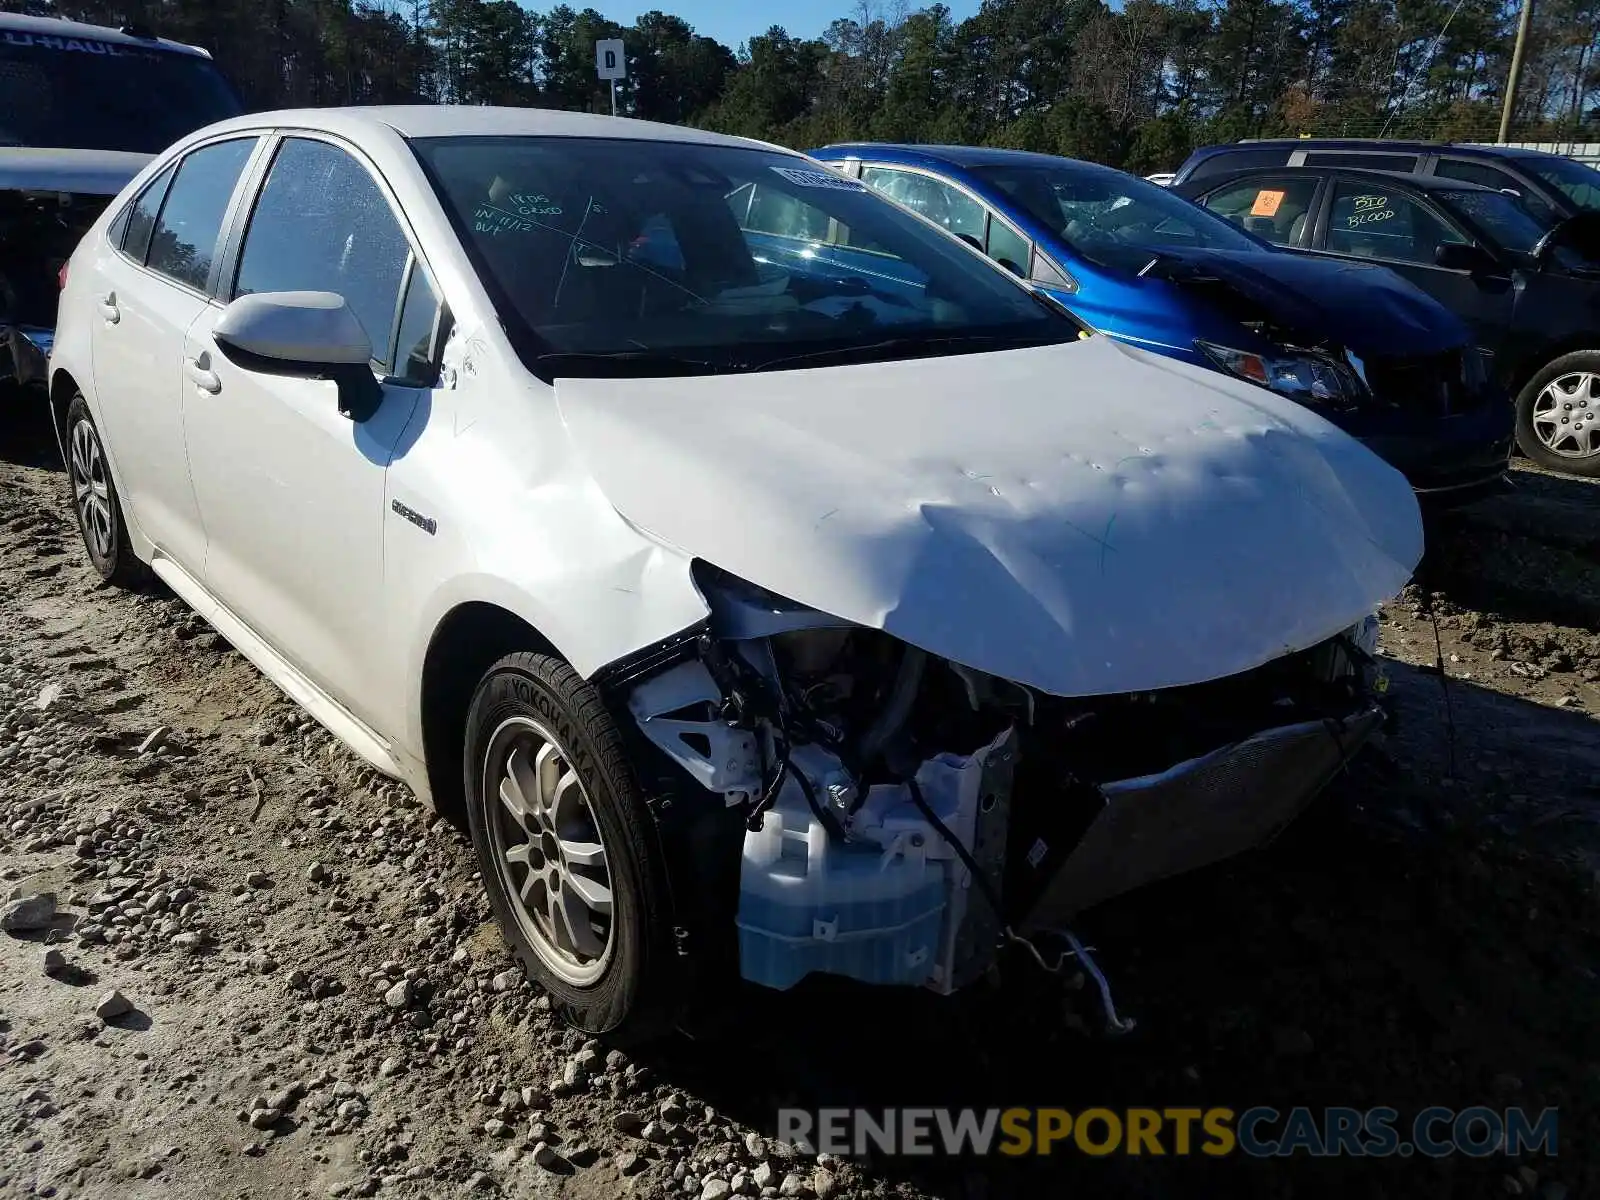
1357	343
1553	188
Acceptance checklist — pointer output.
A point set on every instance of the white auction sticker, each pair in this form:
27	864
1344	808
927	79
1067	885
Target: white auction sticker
819	179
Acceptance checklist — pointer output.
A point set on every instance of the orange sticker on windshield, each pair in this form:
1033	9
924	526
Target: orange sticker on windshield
1266	204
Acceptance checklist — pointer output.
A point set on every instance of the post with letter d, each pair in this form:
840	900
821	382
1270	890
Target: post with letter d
610	63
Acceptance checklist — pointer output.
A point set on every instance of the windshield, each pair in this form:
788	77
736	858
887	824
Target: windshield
1111	218
647	257
1502	217
1578	183
77	93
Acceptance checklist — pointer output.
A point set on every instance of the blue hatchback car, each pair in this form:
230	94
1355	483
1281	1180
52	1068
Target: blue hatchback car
1356	342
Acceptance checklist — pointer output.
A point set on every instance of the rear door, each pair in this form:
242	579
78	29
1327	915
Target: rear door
150	286
1391	224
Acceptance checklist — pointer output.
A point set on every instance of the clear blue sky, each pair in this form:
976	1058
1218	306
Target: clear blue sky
731	22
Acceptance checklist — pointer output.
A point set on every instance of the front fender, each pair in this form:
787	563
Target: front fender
591	618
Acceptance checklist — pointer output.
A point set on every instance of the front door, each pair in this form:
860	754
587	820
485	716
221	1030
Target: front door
1398	228
291	492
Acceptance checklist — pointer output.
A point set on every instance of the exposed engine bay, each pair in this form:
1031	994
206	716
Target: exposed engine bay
902	816
38	232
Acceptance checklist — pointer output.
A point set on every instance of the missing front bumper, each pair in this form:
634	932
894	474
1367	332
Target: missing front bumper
1199	812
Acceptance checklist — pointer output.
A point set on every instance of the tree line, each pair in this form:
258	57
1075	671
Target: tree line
1136	86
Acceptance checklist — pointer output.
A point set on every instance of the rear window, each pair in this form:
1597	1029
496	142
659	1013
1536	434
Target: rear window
79	93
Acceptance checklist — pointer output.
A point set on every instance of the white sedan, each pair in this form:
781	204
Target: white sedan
770	582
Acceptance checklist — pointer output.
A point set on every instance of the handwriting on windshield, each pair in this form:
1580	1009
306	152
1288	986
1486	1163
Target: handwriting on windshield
516	213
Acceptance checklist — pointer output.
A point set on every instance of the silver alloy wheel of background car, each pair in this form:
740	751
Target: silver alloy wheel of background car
90	490
548	850
1566	415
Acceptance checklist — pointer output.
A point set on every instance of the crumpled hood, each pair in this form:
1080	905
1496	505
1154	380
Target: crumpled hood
85	172
1086	518
1362	306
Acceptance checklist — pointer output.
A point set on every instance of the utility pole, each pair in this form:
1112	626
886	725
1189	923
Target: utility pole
1515	75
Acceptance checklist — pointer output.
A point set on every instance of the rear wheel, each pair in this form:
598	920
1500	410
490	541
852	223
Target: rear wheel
1558	415
567	847
96	503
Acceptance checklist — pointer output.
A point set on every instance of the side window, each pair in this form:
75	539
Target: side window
932	198
1007	247
1047	273
1367	162
118	228
1274	209
1372	221
1493	177
141	217
414	339
1238	160
1475	172
322	224
184	240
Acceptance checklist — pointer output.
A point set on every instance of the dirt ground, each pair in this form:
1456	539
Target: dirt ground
319	1004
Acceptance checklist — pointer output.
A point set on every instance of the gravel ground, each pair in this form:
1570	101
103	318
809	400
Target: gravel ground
269	973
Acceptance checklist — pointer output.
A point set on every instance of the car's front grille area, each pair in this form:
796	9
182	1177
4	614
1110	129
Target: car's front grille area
1432	385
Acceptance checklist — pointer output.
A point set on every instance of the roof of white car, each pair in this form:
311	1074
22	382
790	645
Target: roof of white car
58	27
448	120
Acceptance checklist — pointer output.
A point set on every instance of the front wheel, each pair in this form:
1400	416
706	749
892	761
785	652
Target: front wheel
1558	415
567	847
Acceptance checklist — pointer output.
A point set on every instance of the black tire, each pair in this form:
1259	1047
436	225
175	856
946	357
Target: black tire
1584	409
96	503
629	1001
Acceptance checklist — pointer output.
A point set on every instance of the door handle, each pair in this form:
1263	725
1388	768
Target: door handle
202	376
108	308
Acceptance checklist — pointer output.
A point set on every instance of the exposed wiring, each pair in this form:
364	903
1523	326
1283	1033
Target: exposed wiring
824	817
1114	1023
1076	949
965	855
769	794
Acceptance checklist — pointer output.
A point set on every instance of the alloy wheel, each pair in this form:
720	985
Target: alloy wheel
548	850
91	491
1566	415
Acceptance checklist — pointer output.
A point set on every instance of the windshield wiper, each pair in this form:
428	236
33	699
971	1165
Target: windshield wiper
908	347
621	364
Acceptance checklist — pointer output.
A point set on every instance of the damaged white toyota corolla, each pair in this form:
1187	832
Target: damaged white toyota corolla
774	585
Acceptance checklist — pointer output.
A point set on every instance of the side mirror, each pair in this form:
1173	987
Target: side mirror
305	335
1580	233
1458	256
